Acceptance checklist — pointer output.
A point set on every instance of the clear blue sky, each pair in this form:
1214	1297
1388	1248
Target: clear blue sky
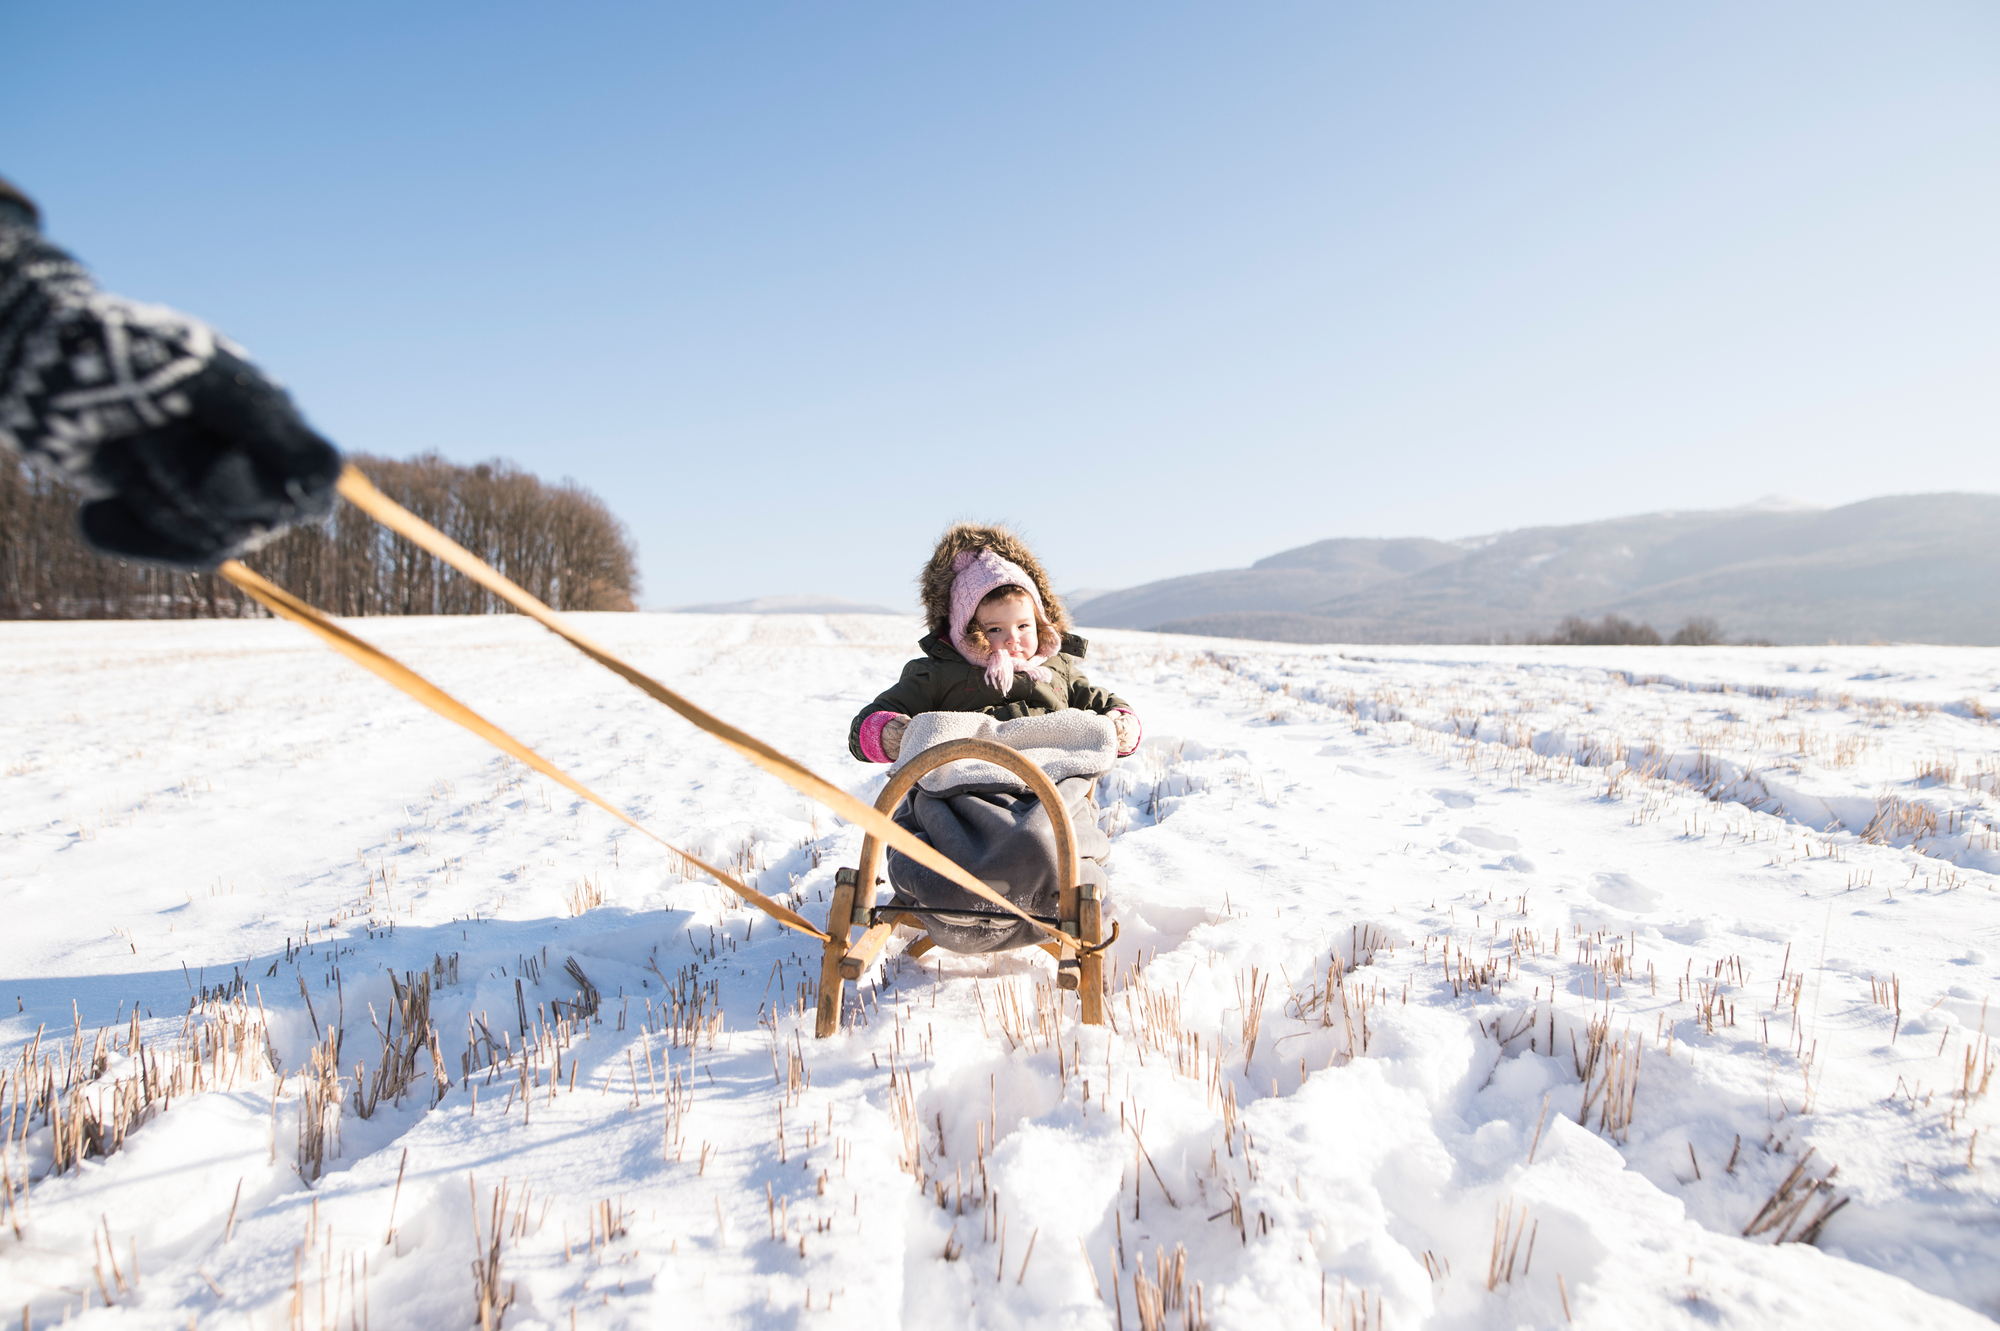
1171	286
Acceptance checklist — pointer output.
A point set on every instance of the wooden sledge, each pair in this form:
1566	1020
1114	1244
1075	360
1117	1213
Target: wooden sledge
1076	938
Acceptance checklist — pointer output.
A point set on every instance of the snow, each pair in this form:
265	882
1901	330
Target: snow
1678	849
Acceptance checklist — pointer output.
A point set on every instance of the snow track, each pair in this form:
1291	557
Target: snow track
1458	987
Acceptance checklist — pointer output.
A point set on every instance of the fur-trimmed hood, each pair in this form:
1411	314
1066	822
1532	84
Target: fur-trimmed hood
935	584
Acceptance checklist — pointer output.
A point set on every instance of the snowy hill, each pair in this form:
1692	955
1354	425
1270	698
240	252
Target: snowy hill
1457	988
787	605
1914	567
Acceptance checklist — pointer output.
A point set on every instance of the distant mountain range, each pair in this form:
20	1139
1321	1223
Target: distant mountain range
1921	568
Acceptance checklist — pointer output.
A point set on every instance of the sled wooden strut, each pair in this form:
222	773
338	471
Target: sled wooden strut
1078	929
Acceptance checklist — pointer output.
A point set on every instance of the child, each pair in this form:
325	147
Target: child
998	643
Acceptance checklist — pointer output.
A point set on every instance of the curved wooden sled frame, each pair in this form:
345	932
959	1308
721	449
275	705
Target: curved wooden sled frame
1079	959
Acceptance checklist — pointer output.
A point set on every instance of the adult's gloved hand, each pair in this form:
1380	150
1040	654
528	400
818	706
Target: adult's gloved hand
222	477
189	454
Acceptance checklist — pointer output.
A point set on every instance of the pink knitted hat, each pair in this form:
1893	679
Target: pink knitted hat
976	574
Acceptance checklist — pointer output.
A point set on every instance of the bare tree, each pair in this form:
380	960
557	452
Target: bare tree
1611	631
559	541
1699	631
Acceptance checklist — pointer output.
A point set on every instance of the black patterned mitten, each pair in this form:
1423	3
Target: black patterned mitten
190	455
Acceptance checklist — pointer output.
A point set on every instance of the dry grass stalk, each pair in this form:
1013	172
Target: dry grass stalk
491	1301
1317	997
903	1113
1467	973
587	997
319	1107
1539	1120
107	1249
1897	818
1156	1023
1143	1154
607	1222
408	1033
690	1007
222	1045
1235	1214
1232	1124
1353	1009
1711	1004
1035	1031
1364	942
1788	1202
1978	1070
1351	1309
1508	1230
1941	769
585	895
1889	993
797	1076
1251	1005
1609	1071
1166	1291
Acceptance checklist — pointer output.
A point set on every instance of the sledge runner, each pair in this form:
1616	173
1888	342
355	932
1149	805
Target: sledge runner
188	454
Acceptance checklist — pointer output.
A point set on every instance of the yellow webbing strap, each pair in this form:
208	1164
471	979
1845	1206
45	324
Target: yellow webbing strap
281	602
358	490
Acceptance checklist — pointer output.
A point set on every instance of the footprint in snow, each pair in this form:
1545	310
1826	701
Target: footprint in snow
1371	774
1488	839
1625	892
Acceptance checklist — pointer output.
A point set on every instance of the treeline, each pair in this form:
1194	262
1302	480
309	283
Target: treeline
1617	631
558	541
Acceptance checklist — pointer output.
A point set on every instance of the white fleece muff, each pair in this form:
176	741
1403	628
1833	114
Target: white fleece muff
1063	744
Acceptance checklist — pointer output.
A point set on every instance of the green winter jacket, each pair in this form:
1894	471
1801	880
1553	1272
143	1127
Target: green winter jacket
943	681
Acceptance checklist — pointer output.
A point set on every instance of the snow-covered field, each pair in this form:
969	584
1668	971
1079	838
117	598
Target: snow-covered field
1425	951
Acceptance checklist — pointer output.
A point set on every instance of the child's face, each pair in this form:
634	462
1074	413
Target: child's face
1009	624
